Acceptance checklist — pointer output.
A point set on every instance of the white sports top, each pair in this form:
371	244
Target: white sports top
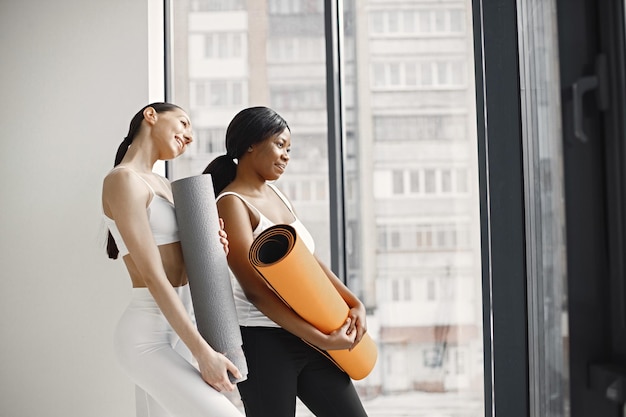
247	313
161	216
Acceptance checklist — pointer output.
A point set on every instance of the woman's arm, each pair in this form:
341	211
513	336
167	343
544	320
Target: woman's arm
125	197
357	309
357	314
239	229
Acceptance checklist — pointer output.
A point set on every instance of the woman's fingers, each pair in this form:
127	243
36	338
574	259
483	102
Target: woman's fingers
223	237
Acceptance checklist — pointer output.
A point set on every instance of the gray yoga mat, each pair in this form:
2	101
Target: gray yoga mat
207	268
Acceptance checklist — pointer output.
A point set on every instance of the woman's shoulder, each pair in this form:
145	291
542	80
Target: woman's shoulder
234	189
124	179
119	172
231	196
232	199
118	177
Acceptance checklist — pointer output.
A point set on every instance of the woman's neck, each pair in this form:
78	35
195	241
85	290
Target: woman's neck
140	156
249	185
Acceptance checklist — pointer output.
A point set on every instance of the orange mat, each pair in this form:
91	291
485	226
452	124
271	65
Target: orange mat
294	274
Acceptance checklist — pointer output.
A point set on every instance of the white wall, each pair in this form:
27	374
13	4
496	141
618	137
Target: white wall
72	74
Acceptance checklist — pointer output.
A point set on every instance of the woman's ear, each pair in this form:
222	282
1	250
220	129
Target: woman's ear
250	148
150	115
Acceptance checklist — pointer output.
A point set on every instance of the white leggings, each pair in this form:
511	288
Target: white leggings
159	363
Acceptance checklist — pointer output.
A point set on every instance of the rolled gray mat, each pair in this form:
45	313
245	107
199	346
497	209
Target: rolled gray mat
207	268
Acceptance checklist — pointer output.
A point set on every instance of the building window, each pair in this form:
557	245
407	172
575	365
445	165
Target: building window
376	23
410	74
414	181
446	181
407	289
395	239
417	22
300	49
398	182
305	189
404	75
400	289
432	358
224	45
382	240
418	128
393	21
217	93
424	237
395	290
290	98
209	48
199	91
379	74
430	181
296	6
457	21
431	290
210	140
440	20
216	5
425	181
426	73
424	21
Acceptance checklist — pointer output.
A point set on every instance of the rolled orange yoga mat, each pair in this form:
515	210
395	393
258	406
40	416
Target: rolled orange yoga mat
294	274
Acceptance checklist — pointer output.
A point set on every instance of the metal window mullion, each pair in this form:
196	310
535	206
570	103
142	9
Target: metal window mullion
333	10
167	61
501	187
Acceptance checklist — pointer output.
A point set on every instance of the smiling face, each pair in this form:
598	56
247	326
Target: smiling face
272	155
171	131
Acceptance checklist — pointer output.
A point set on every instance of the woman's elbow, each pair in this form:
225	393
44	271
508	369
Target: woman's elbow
255	292
253	295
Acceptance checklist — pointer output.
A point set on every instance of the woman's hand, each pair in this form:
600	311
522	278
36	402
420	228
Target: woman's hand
358	323
350	334
223	236
214	368
341	338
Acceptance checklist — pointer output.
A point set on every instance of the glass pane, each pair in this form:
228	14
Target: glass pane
411	182
546	251
232	54
414	214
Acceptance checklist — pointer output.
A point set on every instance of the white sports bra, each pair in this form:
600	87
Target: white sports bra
161	216
265	223
247	313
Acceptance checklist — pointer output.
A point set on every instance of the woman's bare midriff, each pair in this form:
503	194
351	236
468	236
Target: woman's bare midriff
172	257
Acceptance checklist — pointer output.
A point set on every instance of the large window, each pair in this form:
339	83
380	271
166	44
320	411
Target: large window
414	218
229	55
410	183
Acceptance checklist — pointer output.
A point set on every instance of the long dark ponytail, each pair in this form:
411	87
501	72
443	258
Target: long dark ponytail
250	126
135	126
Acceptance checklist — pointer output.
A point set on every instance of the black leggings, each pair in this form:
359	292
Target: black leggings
281	366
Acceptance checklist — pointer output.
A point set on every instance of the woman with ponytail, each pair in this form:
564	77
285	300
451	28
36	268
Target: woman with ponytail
176	372
276	341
